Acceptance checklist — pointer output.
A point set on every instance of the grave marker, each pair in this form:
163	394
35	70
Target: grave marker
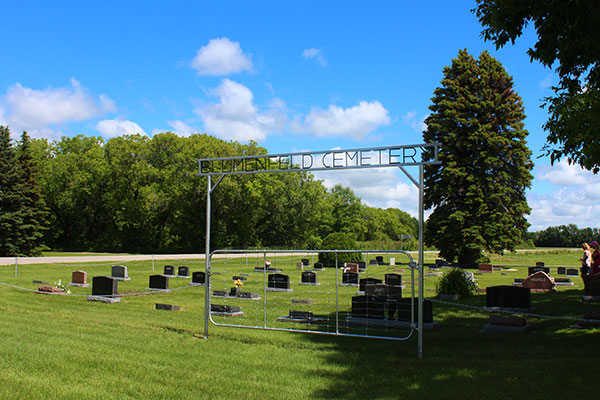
169	270
278	282
104	286
350	278
309	278
79	279
119	272
198	278
183	272
159	282
508	296
539	282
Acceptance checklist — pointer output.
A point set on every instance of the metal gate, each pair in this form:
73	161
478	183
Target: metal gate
291	290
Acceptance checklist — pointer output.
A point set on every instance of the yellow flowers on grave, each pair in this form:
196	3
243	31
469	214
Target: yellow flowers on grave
237	283
59	285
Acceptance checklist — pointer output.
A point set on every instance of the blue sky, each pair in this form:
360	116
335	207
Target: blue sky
308	75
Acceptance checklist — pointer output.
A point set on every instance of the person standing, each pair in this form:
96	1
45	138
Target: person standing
595	258
586	261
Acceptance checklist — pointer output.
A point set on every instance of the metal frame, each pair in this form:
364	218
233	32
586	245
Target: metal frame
291	167
337	332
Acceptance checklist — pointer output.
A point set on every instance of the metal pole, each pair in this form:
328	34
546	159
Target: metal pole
16	266
337	324
207	267
152	262
264	290
421	256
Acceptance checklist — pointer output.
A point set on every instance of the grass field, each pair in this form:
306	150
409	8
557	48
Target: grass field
64	347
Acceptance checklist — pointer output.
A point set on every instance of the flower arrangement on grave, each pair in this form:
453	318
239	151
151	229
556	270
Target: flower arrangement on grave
238	284
59	285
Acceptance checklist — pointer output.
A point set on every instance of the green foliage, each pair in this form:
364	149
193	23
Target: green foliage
22	210
564	236
478	191
456	282
568	37
338	241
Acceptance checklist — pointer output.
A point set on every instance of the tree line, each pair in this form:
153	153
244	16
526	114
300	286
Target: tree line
143	195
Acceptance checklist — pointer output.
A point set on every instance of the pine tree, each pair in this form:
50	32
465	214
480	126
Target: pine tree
11	203
34	211
478	191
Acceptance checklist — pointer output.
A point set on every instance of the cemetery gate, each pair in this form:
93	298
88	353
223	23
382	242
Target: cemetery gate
379	293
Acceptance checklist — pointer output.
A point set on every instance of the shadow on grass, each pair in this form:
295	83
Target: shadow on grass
461	361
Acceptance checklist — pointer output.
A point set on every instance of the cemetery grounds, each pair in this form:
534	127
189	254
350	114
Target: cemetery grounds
64	347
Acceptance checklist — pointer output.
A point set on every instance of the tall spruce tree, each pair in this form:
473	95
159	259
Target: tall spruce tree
11	202
34	211
478	191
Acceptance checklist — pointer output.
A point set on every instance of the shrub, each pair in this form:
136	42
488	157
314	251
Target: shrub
456	282
338	241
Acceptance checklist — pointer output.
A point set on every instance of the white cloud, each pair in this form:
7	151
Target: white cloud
182	129
411	119
39	111
221	57
563	174
316	54
236	117
356	122
114	127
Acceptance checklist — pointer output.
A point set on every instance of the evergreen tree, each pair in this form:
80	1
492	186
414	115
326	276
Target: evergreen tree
478	191
11	203
34	212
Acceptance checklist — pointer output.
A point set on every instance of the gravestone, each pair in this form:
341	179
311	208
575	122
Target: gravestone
379	260
439	263
372	262
392	260
563	281
160	282
539	282
561	271
309	278
572	272
239	278
183	272
198	278
368	306
299	265
278	282
404	310
540	264
362	266
352	267
79	279
508	296
169	307
350	278
169	270
486	268
318	266
119	272
295	314
104	286
305	262
533	270
225	310
383	290
393	279
362	283
591	285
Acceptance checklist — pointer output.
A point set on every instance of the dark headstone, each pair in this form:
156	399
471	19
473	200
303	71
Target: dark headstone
36	281
508	297
591	285
350	278
239	278
519	280
309	277
220	293
572	272
223	308
278	281
318	266
383	290
379	260
170	307
104	286
159	282
169	270
305	261
393	279
404	310
368	306
362	265
119	271
540	264
439	263
199	277
301	314
247	295
533	270
368	281
561	270
183	271
372	262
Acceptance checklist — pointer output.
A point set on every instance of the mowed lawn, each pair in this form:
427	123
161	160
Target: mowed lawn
65	347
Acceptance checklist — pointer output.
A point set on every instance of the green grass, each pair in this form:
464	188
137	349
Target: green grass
60	347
